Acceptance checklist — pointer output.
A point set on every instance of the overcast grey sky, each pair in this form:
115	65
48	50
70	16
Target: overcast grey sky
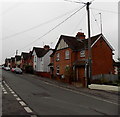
18	17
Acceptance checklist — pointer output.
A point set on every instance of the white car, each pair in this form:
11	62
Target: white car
7	68
18	71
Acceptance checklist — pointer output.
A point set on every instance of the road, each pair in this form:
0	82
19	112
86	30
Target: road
43	98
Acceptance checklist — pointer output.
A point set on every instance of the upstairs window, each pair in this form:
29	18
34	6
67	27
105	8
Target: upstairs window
57	56
67	54
82	53
35	59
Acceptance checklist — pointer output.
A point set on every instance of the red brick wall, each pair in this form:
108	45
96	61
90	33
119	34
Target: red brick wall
62	62
102	62
102	58
43	74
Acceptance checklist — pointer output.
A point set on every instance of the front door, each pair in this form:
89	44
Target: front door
80	73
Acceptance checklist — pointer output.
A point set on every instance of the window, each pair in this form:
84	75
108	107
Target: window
67	68
57	70
57	56
35	58
67	54
40	59
82	53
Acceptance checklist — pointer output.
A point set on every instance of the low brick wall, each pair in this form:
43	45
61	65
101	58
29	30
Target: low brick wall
43	74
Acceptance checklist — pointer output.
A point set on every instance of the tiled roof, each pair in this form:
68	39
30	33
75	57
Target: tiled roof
93	39
18	57
13	59
8	59
25	55
40	51
77	44
72	42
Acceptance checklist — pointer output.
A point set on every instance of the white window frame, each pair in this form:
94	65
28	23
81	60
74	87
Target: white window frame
82	53
57	56
67	54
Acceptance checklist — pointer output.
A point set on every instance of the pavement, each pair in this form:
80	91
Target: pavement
105	87
49	97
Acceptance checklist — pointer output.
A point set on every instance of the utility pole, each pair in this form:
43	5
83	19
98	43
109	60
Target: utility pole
89	62
89	47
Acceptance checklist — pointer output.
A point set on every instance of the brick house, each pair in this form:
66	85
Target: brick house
41	60
17	60
7	62
26	61
69	61
12	62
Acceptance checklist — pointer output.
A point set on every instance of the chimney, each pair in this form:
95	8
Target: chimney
46	47
80	35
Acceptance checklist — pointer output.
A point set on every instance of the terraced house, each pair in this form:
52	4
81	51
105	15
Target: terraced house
69	61
17	60
26	60
7	62
12	62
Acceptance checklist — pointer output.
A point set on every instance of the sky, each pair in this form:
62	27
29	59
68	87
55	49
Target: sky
28	23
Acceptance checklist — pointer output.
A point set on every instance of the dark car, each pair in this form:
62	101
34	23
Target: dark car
18	71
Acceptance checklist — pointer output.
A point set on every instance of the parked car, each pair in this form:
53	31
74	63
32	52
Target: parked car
7	68
18	71
13	70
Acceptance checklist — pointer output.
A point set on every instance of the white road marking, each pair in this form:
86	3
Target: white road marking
15	95
12	92
18	99
22	103
28	109
5	92
81	93
7	86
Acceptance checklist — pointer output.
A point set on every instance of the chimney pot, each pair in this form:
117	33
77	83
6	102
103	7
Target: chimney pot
80	35
46	47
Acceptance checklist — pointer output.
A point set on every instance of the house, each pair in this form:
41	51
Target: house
26	61
7	62
41	60
12	62
69	61
17	60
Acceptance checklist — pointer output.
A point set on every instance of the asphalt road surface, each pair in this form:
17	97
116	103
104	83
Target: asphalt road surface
42	98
